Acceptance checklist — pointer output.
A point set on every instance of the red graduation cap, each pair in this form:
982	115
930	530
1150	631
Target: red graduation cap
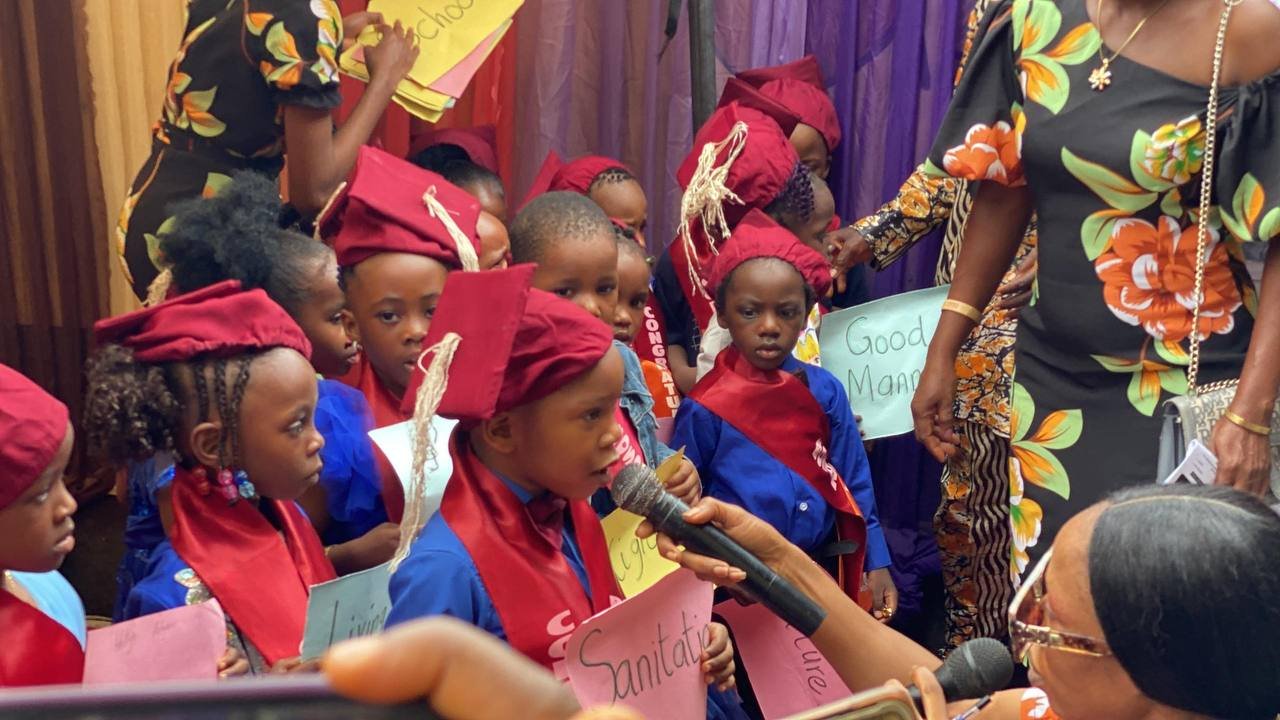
390	205
33	424
758	236
736	90
740	160
221	320
799	86
573	176
479	143
502	344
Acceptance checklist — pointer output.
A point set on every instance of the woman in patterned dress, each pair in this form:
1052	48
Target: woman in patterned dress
1113	176
250	78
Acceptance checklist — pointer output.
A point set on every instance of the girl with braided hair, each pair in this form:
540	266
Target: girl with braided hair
220	379
607	182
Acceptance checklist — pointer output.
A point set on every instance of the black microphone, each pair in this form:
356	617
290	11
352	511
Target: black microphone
977	668
638	490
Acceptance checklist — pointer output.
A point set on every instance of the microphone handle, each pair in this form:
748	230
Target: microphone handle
771	589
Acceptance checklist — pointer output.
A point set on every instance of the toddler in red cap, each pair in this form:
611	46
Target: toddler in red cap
607	182
516	549
777	436
40	614
219	378
741	160
575	249
398	230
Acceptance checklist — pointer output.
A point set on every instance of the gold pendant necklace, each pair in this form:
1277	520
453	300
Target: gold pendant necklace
1100	78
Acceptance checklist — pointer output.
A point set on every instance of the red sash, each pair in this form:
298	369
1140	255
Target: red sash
752	401
536	594
651	337
385	407
37	649
261	579
699	298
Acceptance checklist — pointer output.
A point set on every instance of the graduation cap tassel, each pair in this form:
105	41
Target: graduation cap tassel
324	212
466	250
426	402
708	192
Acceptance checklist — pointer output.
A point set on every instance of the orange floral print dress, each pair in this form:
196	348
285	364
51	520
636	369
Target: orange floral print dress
1114	177
239	63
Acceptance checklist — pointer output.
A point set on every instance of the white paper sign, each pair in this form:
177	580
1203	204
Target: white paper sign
1200	467
396	443
352	606
877	351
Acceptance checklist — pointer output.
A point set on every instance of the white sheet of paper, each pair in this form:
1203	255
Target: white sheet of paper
351	606
396	442
1199	468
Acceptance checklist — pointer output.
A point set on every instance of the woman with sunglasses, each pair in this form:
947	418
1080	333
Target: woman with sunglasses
1159	603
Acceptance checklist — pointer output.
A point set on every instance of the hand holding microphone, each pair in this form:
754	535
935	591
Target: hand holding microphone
637	490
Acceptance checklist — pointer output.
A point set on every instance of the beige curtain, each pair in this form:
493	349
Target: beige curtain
130	46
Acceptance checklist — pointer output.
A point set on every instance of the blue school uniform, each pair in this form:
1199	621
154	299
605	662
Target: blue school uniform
350	478
736	470
439	577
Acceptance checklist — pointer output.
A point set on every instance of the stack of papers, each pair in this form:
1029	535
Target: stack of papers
455	37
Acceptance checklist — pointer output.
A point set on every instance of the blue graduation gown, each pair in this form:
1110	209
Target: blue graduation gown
439	577
736	470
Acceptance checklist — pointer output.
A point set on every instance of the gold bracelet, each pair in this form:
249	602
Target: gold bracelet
1252	427
963	308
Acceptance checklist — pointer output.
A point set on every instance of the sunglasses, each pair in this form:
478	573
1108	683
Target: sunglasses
1026	618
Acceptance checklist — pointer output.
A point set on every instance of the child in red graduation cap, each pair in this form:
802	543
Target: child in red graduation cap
607	182
398	230
741	160
41	617
799	87
772	434
515	548
575	248
219	378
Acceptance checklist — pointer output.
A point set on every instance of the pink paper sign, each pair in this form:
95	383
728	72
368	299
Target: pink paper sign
787	672
645	652
185	643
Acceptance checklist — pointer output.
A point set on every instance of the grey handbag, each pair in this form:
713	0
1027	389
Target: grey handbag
1192	417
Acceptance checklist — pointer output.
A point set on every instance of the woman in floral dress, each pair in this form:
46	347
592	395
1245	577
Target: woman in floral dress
249	76
1113	175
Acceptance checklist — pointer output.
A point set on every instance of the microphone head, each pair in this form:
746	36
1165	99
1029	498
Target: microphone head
636	489
978	667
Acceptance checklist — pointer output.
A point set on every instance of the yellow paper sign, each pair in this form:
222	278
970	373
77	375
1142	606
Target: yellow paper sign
417	100
447	30
637	564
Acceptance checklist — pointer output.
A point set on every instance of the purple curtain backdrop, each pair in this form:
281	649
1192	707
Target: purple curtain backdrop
591	81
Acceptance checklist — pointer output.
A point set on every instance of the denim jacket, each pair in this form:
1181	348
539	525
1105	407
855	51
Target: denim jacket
637	403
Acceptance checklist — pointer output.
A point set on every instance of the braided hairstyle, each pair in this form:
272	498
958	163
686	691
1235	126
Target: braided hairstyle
611	176
134	410
794	203
235	235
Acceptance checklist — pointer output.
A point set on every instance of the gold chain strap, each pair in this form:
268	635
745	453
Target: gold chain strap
1206	192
